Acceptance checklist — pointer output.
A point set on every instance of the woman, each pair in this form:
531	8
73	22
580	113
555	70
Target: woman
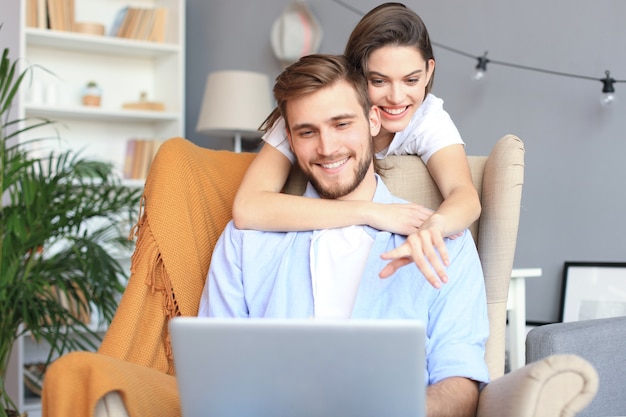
392	47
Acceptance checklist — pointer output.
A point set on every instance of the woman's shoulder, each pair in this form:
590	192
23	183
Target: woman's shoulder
277	137
431	105
429	130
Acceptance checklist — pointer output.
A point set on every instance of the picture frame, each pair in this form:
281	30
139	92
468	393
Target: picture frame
593	290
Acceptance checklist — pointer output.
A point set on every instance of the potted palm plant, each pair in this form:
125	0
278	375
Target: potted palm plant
62	218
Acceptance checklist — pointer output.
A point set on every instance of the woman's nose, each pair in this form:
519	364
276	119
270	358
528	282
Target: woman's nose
396	93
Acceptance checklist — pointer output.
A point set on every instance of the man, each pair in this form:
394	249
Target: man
334	273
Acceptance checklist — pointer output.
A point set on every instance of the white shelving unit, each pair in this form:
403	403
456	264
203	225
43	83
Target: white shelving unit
123	69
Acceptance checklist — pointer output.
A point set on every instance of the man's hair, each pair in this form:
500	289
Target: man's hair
390	24
312	73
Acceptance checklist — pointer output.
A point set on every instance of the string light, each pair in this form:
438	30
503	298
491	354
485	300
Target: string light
608	89
481	67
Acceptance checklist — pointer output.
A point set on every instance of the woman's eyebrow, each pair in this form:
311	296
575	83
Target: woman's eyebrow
379	74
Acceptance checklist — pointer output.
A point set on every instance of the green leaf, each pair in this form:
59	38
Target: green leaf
63	217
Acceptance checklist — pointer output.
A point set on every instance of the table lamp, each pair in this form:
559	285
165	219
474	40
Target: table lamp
235	103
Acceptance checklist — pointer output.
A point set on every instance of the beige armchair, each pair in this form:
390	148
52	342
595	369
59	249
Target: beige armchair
188	197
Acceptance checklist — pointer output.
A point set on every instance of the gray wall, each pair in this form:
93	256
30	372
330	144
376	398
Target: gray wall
9	34
574	193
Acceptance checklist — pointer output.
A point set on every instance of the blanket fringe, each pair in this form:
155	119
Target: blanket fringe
157	278
134	231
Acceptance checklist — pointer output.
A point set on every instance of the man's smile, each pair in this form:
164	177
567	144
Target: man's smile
334	165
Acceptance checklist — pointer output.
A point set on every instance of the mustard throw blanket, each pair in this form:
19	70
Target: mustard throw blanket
187	202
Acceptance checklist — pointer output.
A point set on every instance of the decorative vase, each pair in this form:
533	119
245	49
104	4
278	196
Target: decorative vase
92	94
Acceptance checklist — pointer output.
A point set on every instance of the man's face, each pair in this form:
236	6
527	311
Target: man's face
332	141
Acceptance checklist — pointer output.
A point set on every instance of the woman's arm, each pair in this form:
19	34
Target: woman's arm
461	207
259	204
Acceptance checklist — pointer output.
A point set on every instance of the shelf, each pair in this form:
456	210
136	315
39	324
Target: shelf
97	113
32	404
123	68
97	44
134	183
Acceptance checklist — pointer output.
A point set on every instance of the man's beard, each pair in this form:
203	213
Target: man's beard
339	191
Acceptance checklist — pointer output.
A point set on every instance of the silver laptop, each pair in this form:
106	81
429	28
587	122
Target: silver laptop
299	368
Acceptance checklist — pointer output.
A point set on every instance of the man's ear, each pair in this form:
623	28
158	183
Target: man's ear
374	119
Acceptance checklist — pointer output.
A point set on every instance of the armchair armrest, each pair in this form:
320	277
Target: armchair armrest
93	384
558	385
111	405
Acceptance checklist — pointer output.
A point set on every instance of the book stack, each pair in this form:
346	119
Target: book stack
139	156
50	14
140	23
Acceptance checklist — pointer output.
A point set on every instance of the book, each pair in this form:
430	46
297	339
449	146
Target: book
53	15
31	13
145	27
68	15
130	23
120	16
139	156
42	14
129	158
143	18
124	27
157	33
145	158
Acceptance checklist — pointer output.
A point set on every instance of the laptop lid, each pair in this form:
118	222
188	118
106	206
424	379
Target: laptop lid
298	367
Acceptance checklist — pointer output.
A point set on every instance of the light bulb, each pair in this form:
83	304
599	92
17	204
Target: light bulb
608	91
481	67
607	98
478	75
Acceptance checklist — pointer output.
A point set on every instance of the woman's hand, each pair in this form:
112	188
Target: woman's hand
426	248
402	219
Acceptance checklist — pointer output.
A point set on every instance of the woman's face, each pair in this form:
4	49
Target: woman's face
397	77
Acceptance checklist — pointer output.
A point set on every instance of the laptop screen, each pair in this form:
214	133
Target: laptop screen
298	367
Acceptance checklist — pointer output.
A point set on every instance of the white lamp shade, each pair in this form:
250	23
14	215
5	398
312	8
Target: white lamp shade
235	102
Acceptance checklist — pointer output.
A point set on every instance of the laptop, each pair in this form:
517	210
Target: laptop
299	367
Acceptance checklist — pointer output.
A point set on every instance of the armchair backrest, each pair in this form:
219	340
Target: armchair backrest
498	178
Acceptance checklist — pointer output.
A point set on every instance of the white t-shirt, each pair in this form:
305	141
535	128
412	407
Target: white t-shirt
429	130
338	258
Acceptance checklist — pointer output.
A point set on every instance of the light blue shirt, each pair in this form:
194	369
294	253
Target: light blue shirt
267	274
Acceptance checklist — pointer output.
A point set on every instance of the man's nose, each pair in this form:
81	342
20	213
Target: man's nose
328	143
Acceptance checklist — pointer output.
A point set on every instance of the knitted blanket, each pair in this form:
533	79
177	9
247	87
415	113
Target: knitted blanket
187	202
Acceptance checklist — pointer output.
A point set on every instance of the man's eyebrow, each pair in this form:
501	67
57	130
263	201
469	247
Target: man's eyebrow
342	116
303	126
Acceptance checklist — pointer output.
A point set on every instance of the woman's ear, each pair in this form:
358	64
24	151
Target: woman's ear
374	119
431	70
289	139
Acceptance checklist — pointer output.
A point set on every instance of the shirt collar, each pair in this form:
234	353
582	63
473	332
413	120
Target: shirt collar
381	195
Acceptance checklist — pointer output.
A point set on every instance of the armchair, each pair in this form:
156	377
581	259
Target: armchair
601	343
187	202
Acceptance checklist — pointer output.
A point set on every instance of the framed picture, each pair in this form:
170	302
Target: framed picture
593	290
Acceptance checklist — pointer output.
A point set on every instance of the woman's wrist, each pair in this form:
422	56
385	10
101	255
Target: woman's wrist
436	221
365	213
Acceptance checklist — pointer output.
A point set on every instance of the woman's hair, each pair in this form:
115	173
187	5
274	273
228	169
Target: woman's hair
312	73
390	24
